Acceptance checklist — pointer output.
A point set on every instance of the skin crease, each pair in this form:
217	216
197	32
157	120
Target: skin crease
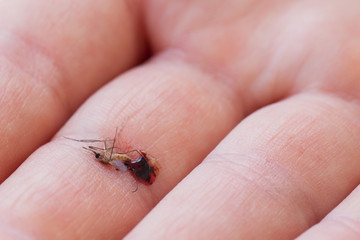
250	108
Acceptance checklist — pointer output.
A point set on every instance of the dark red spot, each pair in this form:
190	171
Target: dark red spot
142	169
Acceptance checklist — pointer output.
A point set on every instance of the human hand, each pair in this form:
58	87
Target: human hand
281	76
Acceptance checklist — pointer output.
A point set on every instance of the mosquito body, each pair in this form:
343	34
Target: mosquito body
143	167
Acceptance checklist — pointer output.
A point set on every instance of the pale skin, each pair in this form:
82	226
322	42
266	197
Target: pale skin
251	108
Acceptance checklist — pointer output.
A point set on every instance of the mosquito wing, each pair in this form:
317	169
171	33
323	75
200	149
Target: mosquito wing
119	165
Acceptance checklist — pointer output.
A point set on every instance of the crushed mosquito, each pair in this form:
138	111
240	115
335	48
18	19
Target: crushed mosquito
143	168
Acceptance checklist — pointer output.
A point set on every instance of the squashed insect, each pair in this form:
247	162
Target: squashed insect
143	168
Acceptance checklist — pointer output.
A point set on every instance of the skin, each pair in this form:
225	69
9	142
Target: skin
250	108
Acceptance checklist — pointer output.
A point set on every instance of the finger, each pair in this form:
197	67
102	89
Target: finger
341	223
53	54
272	177
167	111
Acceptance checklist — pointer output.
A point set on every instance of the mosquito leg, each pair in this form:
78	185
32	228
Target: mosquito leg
113	144
135	150
137	185
85	140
